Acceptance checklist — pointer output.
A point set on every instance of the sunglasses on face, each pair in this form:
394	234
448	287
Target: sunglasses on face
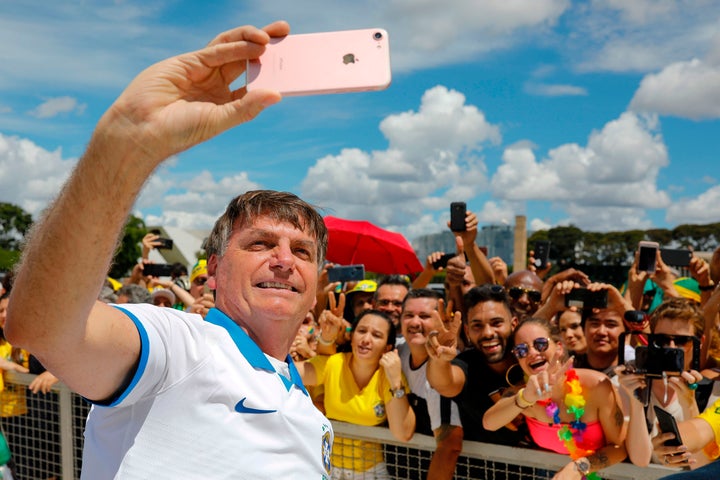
517	292
200	281
521	350
664	340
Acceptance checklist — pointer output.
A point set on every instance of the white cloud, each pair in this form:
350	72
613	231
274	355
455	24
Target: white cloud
432	159
616	171
703	209
30	175
195	203
604	218
428	33
685	89
537	224
554	90
56	106
641	35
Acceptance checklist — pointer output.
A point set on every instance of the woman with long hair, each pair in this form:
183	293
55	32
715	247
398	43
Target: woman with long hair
570	411
364	386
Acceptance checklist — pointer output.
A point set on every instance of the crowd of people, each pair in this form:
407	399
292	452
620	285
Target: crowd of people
235	368
507	360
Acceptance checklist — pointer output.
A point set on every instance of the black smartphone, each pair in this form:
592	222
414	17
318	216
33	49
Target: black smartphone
653	361
158	269
164	243
443	260
647	258
668	424
584	298
346	273
541	252
676	257
458	210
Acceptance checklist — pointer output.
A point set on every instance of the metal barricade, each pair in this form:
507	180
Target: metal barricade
47	442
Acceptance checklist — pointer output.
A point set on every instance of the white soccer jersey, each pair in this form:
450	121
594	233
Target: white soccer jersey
205	402
419	385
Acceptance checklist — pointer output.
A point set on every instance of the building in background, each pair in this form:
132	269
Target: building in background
497	238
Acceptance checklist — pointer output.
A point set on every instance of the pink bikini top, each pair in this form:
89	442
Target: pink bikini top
546	436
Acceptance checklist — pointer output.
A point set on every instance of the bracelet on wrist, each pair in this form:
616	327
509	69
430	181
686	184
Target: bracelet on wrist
706	288
520	400
322	341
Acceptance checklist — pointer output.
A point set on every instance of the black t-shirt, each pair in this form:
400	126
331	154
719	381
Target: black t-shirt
474	400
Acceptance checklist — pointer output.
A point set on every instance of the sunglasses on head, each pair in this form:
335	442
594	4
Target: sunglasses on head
517	292
663	340
540	344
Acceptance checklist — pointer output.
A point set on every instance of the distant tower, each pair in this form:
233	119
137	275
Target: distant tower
520	244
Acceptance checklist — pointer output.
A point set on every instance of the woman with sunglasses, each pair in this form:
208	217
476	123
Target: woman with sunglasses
365	386
569	411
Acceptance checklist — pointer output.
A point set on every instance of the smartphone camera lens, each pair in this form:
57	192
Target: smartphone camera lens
378	35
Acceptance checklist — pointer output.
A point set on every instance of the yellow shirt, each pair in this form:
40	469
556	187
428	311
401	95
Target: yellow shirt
712	416
346	402
12	397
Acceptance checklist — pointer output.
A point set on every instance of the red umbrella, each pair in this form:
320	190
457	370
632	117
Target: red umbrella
381	251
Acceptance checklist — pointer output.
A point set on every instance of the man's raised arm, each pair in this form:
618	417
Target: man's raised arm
168	108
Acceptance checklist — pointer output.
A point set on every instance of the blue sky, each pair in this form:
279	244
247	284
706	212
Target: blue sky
601	114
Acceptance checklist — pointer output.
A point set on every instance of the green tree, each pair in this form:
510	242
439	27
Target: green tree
14	225
129	249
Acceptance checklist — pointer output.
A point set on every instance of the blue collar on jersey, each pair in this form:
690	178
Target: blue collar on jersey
252	353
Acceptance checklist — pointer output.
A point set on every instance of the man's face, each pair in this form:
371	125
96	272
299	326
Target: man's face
489	328
665	326
361	301
197	285
389	299
602	331
162	301
524	291
416	319
267	277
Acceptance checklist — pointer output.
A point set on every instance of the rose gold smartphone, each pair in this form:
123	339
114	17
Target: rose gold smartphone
318	63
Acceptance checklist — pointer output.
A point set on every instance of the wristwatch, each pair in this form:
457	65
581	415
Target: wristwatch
398	392
583	465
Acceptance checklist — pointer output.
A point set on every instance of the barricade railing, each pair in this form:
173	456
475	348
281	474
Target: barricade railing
47	442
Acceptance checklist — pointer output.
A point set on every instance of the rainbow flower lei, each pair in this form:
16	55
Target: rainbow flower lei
571	434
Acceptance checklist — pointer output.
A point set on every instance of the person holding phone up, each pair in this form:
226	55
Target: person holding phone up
176	395
676	323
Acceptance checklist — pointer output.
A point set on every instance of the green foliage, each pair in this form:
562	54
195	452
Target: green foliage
14	225
129	249
572	246
8	259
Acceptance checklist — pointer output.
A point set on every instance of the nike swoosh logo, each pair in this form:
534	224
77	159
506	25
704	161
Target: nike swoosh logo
241	408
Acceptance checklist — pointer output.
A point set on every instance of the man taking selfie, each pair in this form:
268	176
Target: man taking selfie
175	395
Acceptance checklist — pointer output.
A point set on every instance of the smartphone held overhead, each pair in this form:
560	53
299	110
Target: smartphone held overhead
647	256
458	211
319	63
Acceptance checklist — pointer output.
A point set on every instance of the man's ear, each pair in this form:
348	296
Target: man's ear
212	271
514	323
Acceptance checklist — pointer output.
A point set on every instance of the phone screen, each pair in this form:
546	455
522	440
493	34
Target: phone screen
458	210
647	257
668	424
